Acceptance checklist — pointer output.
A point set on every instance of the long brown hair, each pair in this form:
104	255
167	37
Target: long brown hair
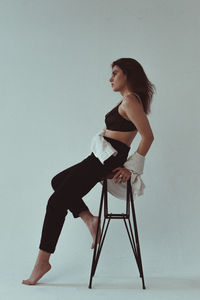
137	80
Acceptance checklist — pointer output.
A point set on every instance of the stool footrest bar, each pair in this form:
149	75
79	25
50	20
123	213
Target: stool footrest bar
116	216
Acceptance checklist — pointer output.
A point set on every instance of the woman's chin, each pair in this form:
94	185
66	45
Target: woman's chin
114	89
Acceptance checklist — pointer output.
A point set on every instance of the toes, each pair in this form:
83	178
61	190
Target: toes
26	282
93	244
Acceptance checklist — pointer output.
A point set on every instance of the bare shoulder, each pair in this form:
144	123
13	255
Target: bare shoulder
132	101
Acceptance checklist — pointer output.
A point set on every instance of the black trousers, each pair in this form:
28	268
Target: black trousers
70	186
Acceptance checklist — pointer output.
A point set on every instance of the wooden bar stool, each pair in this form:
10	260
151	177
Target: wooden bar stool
132	234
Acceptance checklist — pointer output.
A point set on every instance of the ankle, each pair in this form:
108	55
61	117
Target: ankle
43	257
86	216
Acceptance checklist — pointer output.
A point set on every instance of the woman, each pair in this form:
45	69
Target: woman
70	185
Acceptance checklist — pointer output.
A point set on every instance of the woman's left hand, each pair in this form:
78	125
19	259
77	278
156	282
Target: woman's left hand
122	175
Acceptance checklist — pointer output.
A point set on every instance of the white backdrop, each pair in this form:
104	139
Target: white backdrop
55	65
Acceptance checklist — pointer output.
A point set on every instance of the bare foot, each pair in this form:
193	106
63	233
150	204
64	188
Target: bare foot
38	271
92	225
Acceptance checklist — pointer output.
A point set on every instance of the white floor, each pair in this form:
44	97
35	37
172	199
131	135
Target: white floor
108	287
116	276
64	282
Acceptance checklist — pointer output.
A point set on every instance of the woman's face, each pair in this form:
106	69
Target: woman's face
118	79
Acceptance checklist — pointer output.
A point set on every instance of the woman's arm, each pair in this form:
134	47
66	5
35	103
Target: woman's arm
135	113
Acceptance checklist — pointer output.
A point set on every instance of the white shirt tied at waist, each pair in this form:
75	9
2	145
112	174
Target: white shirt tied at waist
102	149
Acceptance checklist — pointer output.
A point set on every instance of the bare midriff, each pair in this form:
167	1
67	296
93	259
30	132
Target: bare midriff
124	137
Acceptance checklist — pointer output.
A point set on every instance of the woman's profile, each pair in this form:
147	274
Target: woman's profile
109	155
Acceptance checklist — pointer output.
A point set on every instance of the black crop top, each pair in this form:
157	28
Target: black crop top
114	121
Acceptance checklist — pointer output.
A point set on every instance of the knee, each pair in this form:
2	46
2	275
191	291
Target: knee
53	183
55	207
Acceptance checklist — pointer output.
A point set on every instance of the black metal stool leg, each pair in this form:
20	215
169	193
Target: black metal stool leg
96	252
136	235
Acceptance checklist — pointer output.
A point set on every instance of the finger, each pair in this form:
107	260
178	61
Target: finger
120	178
125	179
116	178
117	175
114	170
